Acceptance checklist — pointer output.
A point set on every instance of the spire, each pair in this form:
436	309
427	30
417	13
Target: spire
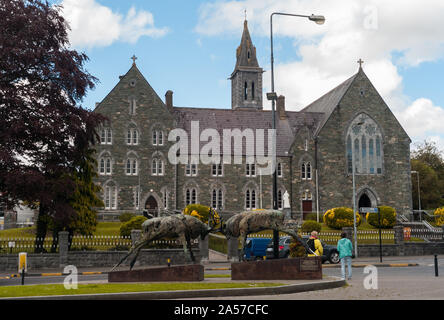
246	79
246	52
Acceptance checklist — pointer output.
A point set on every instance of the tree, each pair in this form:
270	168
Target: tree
43	130
84	200
427	160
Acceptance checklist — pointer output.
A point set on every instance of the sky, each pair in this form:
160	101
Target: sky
189	47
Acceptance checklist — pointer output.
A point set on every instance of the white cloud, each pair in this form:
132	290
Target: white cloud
387	35
423	118
95	25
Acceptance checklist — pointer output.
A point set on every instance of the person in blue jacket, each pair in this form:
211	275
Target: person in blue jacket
345	249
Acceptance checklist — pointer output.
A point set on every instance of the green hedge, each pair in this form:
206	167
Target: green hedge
134	223
312	216
309	226
126	216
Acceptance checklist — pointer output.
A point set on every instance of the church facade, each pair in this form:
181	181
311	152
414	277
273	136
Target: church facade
315	149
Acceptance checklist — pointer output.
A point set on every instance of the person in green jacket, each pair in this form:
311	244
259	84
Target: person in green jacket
345	249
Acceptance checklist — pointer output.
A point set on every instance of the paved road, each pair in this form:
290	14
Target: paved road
393	282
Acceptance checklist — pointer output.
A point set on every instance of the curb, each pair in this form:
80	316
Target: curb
285	289
53	274
355	265
384	265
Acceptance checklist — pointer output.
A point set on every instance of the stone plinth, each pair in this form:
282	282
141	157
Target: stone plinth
193	272
281	269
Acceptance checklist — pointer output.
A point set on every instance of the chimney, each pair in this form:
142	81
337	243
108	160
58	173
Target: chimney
169	99
281	107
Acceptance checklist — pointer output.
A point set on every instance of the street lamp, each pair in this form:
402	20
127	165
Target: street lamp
273	97
354	197
419	193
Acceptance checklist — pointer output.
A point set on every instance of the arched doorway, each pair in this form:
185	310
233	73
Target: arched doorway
364	201
151	206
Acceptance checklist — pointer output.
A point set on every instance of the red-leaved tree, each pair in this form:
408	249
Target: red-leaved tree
43	130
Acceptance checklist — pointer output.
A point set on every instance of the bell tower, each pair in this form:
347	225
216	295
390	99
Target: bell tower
246	79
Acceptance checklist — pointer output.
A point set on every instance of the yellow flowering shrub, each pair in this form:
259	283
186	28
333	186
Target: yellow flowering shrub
439	216
201	212
338	218
388	217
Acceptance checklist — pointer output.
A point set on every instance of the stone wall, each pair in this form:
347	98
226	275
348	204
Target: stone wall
406	249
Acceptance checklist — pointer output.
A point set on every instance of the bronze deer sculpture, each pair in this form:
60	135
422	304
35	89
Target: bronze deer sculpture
241	224
184	227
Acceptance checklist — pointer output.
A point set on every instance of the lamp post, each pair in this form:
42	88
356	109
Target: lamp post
273	97
419	194
354	196
419	197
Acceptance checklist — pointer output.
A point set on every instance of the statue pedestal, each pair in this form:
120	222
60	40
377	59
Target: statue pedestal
309	268
193	272
287	213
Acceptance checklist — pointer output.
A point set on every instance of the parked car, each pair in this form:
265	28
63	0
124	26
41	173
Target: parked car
255	248
330	252
284	248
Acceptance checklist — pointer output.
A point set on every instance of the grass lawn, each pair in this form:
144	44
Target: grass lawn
59	289
218	276
18	232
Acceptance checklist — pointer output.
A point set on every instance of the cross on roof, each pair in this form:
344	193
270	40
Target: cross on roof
360	61
134	58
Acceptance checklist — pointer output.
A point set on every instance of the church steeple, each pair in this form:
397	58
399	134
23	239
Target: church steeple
246	79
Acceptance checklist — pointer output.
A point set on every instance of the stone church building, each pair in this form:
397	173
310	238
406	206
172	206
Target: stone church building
315	148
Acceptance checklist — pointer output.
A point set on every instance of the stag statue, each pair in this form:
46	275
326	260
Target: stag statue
184	227
241	224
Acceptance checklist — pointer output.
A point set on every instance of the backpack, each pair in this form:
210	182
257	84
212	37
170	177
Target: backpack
311	245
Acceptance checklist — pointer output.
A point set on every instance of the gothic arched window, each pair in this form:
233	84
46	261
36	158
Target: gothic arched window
190	196
110	196
157	166
105	165
250	199
217	198
364	146
132	136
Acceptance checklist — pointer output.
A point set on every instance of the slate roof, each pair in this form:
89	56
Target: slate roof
329	101
314	117
242	119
